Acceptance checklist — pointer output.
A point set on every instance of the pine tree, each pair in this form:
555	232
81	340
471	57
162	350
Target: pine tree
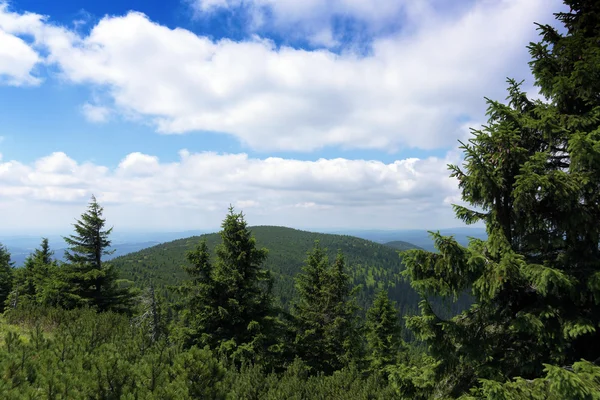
6	276
383	332
228	306
532	175
326	322
92	282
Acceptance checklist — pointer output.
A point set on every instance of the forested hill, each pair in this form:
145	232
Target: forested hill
370	264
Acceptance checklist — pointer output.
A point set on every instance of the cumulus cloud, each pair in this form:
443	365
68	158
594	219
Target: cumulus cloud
412	90
93	113
196	190
319	20
17	60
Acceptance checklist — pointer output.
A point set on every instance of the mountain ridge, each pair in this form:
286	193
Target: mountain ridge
371	265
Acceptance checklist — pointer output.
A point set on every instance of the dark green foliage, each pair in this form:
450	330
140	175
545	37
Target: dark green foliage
80	354
582	382
371	266
6	276
39	281
199	299
90	281
295	383
532	175
383	333
228	306
328	332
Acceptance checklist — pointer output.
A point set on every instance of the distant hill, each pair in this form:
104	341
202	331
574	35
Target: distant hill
18	255
371	265
416	237
401	245
21	246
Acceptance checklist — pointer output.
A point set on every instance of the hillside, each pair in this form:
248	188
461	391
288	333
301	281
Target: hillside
371	265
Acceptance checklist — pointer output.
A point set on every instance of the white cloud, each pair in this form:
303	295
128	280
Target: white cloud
412	91
93	113
314	17
195	191
247	204
17	60
138	165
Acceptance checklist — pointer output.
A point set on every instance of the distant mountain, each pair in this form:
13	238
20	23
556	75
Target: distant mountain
401	245
371	265
20	246
18	255
420	238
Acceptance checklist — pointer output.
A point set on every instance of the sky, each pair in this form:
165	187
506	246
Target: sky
314	114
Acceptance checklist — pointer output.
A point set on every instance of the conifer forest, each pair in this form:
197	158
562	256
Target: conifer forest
515	316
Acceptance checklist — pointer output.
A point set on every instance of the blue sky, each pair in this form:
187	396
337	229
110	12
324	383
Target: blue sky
314	114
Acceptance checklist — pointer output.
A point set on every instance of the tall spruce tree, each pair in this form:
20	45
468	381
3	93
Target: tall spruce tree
228	305
532	175
327	327
383	332
91	281
6	276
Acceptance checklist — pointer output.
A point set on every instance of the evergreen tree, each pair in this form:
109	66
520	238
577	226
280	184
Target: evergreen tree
532	175
92	282
34	283
47	277
6	276
228	306
383	332
328	335
199	304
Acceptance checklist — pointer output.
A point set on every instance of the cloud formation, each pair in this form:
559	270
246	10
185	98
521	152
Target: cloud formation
94	113
322	22
198	188
413	90
17	58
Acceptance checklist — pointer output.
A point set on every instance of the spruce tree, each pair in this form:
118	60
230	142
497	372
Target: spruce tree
34	283
228	305
383	332
199	306
327	329
6	276
532	175
90	280
47	277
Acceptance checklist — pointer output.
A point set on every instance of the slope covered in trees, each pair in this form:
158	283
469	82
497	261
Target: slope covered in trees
371	265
